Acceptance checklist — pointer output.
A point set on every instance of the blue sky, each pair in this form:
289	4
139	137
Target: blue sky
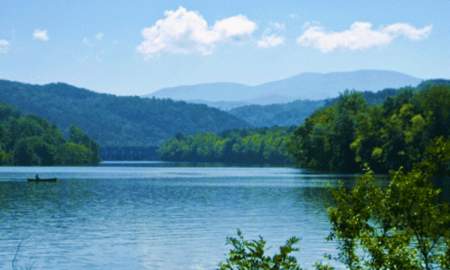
135	47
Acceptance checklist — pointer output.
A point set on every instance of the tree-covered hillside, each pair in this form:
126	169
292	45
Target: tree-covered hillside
113	120
351	133
288	114
385	129
236	146
294	113
29	140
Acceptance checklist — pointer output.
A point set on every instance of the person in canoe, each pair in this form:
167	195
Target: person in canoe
37	178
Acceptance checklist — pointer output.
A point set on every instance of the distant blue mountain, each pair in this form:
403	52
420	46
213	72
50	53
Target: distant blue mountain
305	86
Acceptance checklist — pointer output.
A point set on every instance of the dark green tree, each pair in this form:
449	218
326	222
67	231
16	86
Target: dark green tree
251	255
401	226
29	140
268	145
349	134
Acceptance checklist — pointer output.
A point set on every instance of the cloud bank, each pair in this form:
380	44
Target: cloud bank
359	36
40	35
185	31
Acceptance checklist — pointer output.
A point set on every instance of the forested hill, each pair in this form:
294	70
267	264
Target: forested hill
386	129
30	140
351	133
294	113
112	120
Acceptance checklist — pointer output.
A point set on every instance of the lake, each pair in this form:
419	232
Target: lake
153	215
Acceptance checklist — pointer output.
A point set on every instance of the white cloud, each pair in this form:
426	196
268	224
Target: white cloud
185	31
40	35
409	31
269	41
236	26
99	36
271	36
4	46
359	36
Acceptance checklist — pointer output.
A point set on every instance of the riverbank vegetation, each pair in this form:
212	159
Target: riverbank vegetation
404	225
350	134
29	140
267	145
382	130
252	254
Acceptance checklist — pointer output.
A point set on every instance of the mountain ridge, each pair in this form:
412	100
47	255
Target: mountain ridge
115	120
308	85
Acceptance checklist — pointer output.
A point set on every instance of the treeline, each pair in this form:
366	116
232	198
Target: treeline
267	145
294	113
284	114
29	140
351	133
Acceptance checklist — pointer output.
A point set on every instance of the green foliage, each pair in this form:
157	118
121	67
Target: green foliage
350	133
29	140
323	141
115	121
237	146
401	226
251	255
286	114
34	151
294	113
75	154
87	148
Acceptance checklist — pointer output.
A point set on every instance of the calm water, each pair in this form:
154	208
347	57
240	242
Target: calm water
156	215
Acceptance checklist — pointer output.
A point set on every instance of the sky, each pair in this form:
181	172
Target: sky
136	47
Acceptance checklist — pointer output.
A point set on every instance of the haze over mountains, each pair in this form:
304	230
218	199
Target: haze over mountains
311	86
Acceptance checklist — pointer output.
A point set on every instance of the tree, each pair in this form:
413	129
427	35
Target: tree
268	145
91	148
401	226
349	134
251	255
29	140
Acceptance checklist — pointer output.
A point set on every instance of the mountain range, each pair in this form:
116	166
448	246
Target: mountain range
112	120
131	121
305	86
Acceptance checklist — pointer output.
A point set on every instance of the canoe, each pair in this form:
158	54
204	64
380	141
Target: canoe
38	180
